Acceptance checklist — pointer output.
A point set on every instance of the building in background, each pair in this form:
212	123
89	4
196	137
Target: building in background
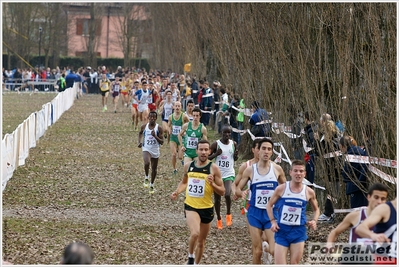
119	28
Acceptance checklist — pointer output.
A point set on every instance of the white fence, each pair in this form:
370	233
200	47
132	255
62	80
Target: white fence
15	146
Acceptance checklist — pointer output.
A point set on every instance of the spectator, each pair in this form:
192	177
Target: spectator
296	143
182	86
233	118
86	79
119	73
221	118
94	86
216	98
206	103
17	76
77	253
240	115
326	143
194	91
354	174
71	78
61	83
309	129
259	115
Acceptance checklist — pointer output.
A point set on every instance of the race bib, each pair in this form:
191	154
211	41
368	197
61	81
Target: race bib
291	215
104	86
167	114
262	197
192	142
151	141
223	164
176	129
196	187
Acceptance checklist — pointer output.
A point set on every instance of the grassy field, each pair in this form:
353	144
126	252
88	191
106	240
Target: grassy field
83	181
18	107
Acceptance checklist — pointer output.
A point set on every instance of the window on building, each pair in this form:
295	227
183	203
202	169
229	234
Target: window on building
83	27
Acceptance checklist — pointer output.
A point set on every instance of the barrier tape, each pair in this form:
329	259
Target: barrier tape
346	210
372	160
306	182
281	128
382	174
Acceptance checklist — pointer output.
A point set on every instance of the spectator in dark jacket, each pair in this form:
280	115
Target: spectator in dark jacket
354	174
259	115
309	129
194	91
206	103
71	78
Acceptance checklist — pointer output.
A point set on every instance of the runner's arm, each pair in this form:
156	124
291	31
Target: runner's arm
243	181
280	174
204	133
377	215
170	124
214	151
141	135
343	226
235	151
215	180
183	183
316	211
159	136
180	135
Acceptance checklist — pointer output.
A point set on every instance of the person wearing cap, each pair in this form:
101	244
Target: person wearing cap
259	115
119	72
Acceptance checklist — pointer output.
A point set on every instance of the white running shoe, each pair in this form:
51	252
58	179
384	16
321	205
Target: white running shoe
267	258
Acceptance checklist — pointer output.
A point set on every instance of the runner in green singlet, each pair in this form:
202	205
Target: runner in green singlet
175	123
192	131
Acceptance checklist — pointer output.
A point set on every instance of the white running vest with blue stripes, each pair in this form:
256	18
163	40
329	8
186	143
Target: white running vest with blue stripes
292	207
262	186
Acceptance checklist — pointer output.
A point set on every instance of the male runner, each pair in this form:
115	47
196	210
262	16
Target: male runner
201	179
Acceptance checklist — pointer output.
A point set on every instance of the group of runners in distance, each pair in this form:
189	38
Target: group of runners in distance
276	209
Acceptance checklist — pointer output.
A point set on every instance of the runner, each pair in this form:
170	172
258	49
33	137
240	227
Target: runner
291	199
190	107
376	195
166	109
134	104
104	87
175	92
142	96
125	91
226	153
115	89
246	196
153	138
264	176
153	101
383	221
175	122
201	179
192	131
